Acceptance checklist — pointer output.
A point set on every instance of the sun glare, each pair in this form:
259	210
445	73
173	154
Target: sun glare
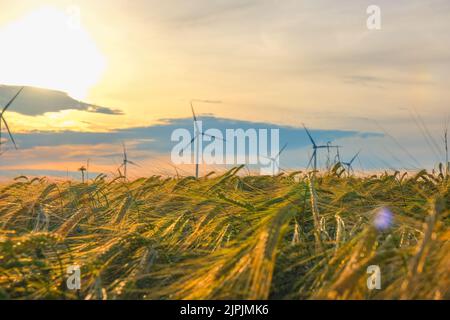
46	49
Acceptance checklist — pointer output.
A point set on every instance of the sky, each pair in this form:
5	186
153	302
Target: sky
99	73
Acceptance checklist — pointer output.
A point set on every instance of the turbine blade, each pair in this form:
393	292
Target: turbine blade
194	116
353	159
211	136
309	135
132	163
310	161
188	145
268	158
124	151
11	101
193	112
282	149
9	132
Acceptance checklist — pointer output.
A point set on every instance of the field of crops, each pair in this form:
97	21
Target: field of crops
228	236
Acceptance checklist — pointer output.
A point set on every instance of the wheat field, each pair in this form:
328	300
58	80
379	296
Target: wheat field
227	236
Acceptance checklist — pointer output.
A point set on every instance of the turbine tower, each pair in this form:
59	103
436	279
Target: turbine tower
198	133
349	164
328	154
87	169
276	158
82	169
2	119
125	161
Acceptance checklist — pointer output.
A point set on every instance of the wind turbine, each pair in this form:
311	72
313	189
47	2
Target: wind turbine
198	133
275	158
82	169
126	162
2	118
315	147
349	164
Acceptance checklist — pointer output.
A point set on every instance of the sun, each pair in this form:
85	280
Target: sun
48	49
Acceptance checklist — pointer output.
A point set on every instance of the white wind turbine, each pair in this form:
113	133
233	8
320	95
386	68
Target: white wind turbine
198	134
349	164
275	160
125	162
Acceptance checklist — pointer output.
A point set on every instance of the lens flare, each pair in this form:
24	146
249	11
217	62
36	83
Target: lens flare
383	219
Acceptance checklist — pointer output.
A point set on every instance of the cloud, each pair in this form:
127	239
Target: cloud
63	174
367	80
52	153
157	137
36	101
196	15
